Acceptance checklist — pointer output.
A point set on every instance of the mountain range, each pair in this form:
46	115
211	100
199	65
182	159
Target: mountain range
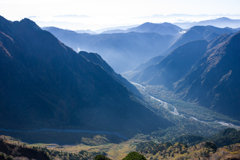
45	84
160	28
219	22
122	51
203	72
207	33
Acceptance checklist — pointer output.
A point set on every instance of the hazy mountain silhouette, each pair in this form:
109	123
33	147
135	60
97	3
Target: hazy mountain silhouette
85	31
171	68
161	28
195	33
199	33
45	84
122	51
219	22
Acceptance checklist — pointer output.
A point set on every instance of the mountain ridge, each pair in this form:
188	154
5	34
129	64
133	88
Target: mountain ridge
46	84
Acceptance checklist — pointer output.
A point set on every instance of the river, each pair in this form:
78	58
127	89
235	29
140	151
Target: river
176	113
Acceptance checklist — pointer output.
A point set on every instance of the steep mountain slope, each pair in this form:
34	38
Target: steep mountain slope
95	58
149	62
214	81
199	33
174	66
122	51
208	33
161	28
45	84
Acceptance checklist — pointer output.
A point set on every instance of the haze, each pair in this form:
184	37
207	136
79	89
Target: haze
94	14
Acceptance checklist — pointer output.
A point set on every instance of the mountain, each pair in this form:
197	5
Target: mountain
114	31
214	81
97	59
45	84
149	62
201	72
122	51
161	28
171	68
219	22
85	31
199	33
208	33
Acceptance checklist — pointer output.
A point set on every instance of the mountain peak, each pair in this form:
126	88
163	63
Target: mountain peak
223	18
29	24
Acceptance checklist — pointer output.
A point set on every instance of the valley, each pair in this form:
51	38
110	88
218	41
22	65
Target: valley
62	95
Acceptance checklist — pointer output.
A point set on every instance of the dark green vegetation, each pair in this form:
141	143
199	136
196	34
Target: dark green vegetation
45	84
8	151
198	146
225	137
122	51
178	150
101	157
130	156
134	156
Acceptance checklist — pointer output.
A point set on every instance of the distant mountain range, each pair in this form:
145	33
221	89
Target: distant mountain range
202	72
122	51
174	66
195	33
45	84
219	22
160	28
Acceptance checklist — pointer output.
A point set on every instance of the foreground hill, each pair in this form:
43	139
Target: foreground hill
225	137
122	51
45	84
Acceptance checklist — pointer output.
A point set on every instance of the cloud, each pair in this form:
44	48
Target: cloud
72	16
32	17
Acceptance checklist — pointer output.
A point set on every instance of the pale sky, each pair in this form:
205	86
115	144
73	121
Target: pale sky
97	14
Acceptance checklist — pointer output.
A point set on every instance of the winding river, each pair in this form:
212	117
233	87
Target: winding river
176	113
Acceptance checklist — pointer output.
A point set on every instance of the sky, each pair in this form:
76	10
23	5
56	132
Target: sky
98	14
